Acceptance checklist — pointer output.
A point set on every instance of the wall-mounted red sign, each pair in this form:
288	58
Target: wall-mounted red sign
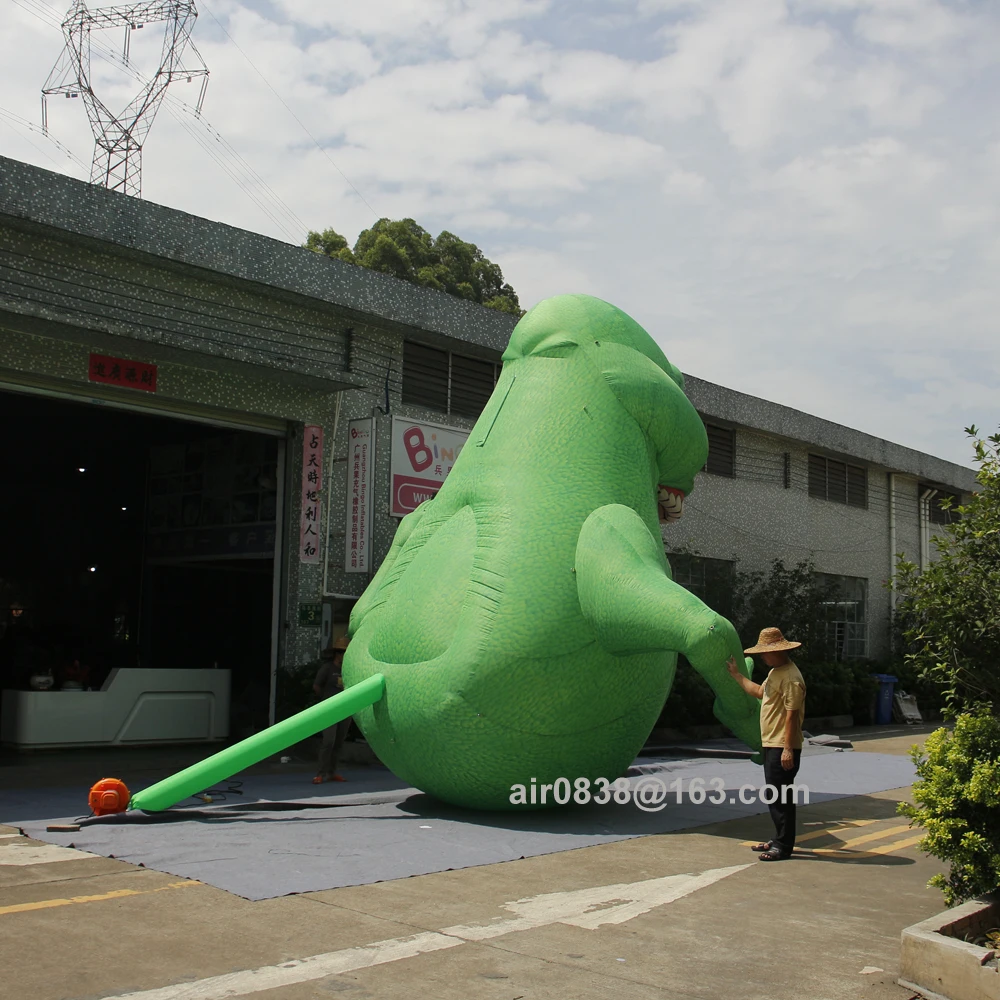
120	371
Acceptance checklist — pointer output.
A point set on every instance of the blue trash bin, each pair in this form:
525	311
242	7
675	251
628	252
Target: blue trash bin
883	704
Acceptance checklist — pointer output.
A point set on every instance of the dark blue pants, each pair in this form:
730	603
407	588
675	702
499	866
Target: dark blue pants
783	808
329	751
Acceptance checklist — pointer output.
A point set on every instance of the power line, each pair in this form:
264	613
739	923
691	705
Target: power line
290	111
220	151
16	121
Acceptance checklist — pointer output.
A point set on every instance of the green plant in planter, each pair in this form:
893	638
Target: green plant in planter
957	801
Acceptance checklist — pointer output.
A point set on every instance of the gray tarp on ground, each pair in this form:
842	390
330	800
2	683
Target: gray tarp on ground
284	835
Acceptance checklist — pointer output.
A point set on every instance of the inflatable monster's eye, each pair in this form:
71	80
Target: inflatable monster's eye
554	346
670	503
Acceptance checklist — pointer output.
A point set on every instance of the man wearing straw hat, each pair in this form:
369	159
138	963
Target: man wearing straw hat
782	710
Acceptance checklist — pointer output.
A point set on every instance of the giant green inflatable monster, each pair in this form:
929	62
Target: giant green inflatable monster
525	619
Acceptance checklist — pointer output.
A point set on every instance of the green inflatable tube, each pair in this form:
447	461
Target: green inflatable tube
232	760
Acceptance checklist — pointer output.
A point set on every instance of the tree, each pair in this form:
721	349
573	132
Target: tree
330	243
949	618
406	250
795	599
949	615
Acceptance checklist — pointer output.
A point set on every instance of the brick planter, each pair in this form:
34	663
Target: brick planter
935	960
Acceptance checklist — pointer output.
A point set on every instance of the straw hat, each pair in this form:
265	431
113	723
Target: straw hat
340	642
771	640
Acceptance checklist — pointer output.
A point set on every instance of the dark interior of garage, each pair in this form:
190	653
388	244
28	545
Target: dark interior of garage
134	540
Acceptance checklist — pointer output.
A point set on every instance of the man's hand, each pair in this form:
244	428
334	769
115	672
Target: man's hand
754	690
787	759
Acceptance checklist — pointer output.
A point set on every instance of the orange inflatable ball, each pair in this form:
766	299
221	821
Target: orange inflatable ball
108	796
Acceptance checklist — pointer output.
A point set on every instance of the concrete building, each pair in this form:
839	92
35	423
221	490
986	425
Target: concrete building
210	437
782	484
200	376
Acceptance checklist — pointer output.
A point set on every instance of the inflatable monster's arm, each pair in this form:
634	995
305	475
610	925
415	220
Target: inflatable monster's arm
375	592
634	607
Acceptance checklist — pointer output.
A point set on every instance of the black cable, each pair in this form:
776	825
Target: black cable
221	794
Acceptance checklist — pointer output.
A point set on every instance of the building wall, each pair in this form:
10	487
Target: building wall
243	324
236	323
361	404
752	519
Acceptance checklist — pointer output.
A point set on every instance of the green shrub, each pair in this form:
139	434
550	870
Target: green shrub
845	688
957	801
839	688
690	700
912	679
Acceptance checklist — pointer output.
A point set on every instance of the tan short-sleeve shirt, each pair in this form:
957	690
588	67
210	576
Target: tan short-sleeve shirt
784	691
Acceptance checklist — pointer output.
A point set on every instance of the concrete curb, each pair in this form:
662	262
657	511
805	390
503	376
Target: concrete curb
934	961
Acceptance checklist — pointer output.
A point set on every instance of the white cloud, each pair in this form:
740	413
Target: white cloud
807	187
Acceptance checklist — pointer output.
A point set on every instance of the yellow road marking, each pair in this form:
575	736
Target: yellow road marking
868	837
852	825
874	852
898	845
44	904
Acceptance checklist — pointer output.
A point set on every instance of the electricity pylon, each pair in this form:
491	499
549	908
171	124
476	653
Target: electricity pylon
119	138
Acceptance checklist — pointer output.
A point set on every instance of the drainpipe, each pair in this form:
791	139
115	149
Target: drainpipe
892	558
925	504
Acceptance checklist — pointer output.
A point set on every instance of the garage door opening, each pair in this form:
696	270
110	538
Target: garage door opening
130	540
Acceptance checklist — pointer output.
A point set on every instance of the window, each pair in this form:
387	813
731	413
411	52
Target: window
838	481
845	616
721	450
709	579
936	514
451	383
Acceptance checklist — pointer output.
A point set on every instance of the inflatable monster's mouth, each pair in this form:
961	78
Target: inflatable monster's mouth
670	503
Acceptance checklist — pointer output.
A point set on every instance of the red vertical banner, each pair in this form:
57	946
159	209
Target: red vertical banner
312	483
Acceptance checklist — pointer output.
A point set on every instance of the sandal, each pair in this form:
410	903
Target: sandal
320	778
774	853
759	848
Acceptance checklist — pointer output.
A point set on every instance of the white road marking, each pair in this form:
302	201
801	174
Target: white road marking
587	908
38	854
9	836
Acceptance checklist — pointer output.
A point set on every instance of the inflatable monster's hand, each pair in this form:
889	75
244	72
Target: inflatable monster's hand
713	642
629	599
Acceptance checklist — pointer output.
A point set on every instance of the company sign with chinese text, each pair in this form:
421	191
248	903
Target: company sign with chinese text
422	456
357	558
312	483
120	371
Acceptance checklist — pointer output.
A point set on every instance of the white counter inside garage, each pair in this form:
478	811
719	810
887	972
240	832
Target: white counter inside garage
134	706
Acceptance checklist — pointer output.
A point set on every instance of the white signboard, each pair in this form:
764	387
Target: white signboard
422	456
357	558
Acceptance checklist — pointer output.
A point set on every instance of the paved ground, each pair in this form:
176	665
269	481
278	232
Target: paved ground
824	925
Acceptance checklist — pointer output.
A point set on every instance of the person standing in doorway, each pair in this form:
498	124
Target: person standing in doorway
329	681
782	711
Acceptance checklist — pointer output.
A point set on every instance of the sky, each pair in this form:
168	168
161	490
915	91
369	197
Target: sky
798	199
